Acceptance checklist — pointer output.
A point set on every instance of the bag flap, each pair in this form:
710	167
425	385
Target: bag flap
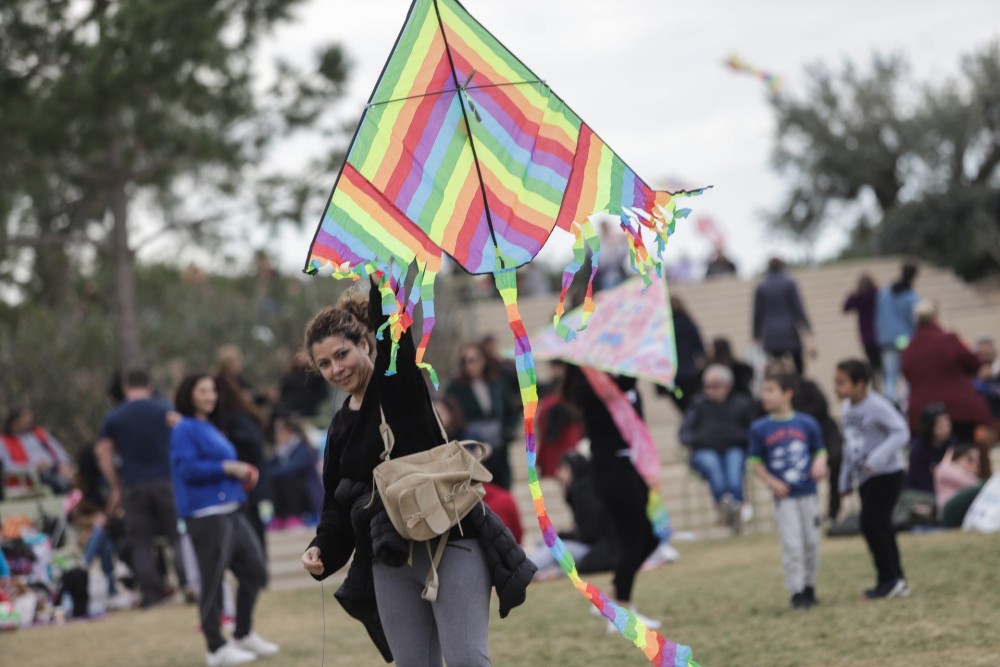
423	504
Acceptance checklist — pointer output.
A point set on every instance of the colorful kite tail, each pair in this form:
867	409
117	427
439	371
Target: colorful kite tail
584	236
657	649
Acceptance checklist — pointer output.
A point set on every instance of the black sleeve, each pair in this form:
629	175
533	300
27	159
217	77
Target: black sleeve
403	395
334	535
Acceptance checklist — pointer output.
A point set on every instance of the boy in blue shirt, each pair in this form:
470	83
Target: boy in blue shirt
787	454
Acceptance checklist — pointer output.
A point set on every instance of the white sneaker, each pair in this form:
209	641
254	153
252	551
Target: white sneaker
257	645
899	590
663	554
229	654
122	600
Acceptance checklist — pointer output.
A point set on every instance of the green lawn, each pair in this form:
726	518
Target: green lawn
724	598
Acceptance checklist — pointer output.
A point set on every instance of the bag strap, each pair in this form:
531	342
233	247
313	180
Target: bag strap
431	584
389	440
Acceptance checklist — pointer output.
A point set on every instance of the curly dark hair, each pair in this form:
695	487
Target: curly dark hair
347	318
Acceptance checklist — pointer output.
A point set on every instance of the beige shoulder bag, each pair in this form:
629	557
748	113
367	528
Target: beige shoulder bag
428	493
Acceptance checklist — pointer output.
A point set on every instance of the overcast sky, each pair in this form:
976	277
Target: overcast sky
648	76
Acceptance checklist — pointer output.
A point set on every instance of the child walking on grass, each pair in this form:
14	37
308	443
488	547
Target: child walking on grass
875	434
787	453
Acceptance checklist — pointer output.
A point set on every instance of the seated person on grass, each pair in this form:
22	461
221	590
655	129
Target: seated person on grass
956	484
715	431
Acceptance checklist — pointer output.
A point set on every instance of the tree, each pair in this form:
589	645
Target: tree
917	170
108	102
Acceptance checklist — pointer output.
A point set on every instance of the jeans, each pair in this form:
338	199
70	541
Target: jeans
99	544
722	470
890	375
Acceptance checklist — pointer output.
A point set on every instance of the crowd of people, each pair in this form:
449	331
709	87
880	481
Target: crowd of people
915	378
206	475
193	482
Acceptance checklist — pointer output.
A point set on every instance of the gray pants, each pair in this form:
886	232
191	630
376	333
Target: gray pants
221	542
149	512
798	526
455	627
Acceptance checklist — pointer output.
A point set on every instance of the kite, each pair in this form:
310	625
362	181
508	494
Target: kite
772	81
463	151
634	337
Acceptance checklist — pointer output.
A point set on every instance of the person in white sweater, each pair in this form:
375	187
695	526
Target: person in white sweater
875	434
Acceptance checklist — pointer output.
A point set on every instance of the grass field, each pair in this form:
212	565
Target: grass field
724	598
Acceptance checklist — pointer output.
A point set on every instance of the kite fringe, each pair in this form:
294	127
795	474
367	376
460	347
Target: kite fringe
398	309
660	219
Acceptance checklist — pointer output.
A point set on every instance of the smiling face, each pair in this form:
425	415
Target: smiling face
343	363
204	397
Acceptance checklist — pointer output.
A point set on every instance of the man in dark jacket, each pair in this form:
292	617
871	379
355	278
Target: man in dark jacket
715	430
778	315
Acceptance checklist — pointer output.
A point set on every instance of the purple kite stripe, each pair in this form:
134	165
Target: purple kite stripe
522	139
428	135
345	252
509	236
481	247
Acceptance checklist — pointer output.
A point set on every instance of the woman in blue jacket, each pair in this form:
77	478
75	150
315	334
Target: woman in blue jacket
209	490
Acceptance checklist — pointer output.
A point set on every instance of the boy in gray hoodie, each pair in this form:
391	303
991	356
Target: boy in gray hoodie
875	434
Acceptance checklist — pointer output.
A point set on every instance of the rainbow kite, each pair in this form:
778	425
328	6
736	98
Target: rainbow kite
464	151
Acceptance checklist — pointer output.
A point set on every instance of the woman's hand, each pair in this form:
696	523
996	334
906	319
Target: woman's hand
237	469
245	472
312	562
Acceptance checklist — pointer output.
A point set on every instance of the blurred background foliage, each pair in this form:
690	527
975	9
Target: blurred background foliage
59	360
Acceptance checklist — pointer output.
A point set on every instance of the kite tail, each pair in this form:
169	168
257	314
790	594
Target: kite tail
583	236
423	292
658	514
399	313
654	646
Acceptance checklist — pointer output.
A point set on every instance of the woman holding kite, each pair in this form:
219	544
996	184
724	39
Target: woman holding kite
384	582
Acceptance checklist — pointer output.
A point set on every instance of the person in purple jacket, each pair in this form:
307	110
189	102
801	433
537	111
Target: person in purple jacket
210	486
863	301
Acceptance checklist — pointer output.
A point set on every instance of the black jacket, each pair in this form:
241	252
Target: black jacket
348	528
717	426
